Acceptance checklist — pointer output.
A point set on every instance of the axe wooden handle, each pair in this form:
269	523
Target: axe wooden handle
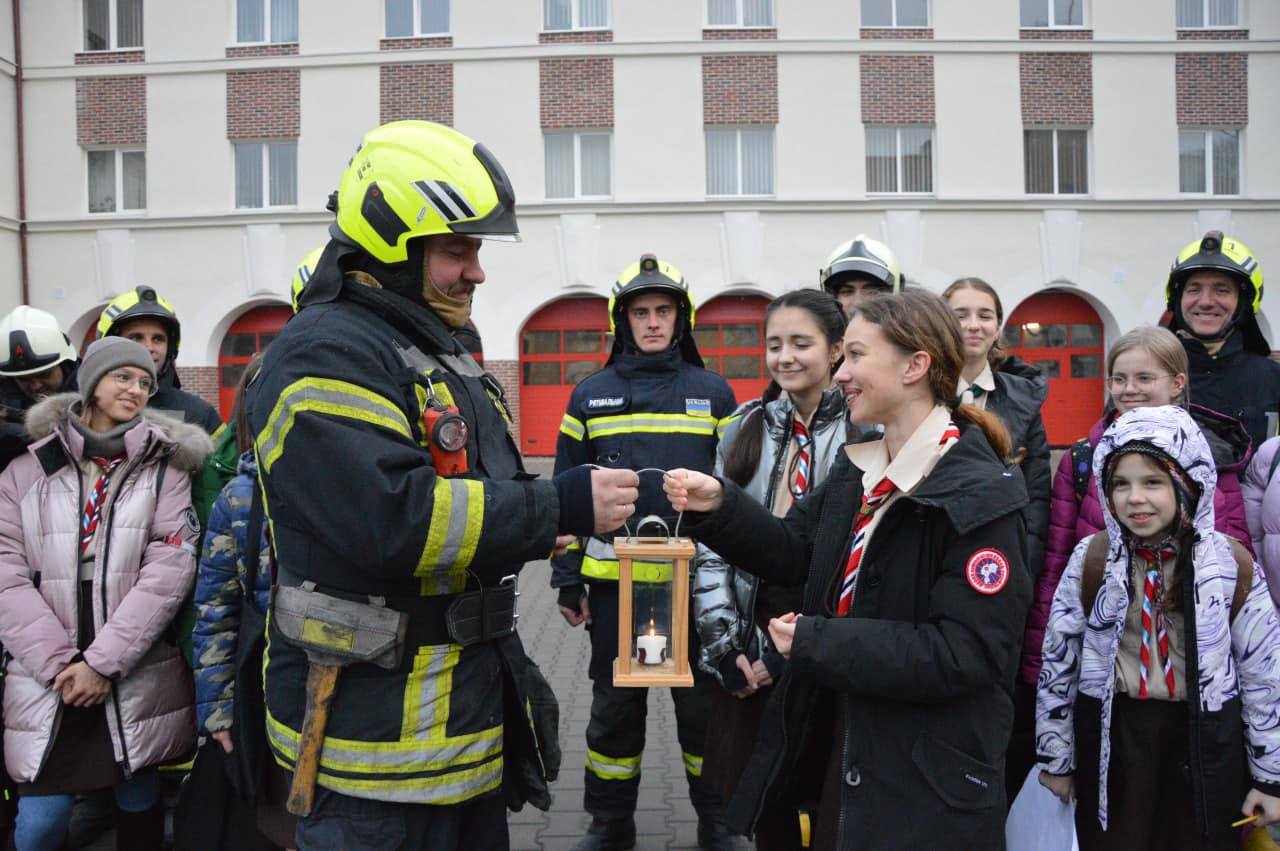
322	681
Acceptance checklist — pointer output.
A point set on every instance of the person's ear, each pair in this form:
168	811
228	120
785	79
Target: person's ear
1179	384
917	368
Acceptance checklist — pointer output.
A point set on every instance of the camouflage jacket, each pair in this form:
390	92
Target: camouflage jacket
220	593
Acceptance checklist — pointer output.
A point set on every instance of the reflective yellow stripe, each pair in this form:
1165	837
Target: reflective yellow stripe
725	423
572	427
457	519
641	571
611	767
692	764
598	427
325	396
442	392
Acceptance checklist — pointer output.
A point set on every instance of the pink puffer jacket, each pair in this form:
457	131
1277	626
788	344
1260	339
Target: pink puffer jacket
145	566
1262	507
1071	521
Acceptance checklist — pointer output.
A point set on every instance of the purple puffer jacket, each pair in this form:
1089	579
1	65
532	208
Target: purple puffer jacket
1262	507
1071	522
143	568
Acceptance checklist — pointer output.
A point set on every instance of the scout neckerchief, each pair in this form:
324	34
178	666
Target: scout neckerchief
801	485
1152	619
93	508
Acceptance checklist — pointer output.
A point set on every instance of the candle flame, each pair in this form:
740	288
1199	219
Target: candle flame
651	627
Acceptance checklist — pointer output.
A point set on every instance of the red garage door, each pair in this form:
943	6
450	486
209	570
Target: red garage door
247	336
1062	335
560	345
730	334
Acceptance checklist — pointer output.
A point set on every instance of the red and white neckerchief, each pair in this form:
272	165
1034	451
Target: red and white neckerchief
93	508
1153	620
870	503
801	486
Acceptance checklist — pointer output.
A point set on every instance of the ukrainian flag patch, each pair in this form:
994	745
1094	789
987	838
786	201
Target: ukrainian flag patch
697	407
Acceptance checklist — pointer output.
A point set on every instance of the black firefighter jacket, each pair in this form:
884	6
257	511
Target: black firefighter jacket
356	506
1236	382
925	665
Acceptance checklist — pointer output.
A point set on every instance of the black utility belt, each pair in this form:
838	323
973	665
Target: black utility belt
485	615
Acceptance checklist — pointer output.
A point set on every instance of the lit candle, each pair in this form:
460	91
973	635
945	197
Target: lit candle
652	648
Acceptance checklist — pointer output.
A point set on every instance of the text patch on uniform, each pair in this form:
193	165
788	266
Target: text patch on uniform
697	407
607	403
987	571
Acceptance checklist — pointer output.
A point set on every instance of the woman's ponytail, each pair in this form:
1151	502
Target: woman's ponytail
743	457
991	425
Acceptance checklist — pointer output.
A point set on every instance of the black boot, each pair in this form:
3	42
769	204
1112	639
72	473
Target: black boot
714	835
609	834
142	831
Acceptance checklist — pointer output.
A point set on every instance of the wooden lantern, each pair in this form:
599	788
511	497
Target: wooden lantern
653	612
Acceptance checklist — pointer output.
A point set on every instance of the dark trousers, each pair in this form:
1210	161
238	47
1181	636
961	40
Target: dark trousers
616	732
340	821
1020	758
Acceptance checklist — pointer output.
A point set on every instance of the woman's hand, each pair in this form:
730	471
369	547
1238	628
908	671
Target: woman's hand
1063	786
763	680
1266	807
752	685
223	737
782	631
689	490
81	685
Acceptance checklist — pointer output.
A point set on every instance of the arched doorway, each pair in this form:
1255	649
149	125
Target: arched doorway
560	345
1062	334
247	336
730	334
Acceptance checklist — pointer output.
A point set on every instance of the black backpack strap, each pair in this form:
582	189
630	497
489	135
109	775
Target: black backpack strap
1093	569
1082	467
1244	575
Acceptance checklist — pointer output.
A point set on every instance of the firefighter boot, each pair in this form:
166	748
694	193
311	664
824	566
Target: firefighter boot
609	834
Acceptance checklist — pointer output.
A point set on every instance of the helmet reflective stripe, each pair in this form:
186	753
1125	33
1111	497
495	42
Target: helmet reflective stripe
142	302
303	274
648	274
448	202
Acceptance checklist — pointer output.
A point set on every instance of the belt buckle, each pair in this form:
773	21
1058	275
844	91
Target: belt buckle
514	581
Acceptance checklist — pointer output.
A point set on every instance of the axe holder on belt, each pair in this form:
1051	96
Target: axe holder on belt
484	615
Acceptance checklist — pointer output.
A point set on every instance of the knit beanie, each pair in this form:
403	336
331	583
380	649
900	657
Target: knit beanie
107	354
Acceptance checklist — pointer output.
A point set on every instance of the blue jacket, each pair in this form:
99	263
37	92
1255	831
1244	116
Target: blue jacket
220	592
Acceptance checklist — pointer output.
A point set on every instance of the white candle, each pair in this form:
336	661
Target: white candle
652	649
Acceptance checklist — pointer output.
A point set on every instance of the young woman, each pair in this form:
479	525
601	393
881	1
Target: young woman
778	449
895	709
97	552
1161	657
1146	367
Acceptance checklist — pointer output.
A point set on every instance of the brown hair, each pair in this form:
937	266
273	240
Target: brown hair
919	321
239	416
995	355
1164	348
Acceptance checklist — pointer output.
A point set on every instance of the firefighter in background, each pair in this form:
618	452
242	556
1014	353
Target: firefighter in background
39	360
143	316
858	269
653	405
389	475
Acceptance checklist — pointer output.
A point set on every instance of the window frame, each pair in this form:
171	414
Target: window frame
575	18
1049	5
1206	134
894	25
416	7
1204	10
737	131
897	141
1088	164
113	29
265	164
266	24
739	8
118	152
577	135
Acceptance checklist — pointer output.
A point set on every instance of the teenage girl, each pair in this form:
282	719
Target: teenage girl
895	709
778	449
1161	657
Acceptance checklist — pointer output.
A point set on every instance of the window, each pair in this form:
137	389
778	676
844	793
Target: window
1056	161
1209	161
740	161
899	159
273	21
112	24
578	165
1052	13
740	13
575	14
407	18
1197	14
266	174
895	13
117	180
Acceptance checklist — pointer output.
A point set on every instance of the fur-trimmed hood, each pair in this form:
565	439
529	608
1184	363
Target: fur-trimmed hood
185	445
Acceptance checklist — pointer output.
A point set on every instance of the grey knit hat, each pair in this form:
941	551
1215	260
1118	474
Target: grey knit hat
107	354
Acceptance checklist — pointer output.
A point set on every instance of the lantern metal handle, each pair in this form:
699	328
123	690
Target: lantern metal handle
632	537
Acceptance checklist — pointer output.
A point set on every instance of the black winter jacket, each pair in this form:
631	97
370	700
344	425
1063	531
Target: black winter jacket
14	405
1237	383
1020	391
925	664
171	397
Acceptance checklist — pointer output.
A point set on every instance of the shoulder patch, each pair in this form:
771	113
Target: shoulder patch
987	571
697	407
192	522
606	403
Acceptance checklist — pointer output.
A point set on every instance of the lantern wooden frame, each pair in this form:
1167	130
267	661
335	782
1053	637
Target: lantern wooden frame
675	671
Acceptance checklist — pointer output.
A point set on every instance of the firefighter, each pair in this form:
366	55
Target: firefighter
653	405
143	316
390	478
858	269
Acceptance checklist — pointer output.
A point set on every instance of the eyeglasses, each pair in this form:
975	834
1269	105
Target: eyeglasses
124	380
1142	381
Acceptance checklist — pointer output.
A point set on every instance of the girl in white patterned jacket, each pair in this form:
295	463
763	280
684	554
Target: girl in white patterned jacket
1161	657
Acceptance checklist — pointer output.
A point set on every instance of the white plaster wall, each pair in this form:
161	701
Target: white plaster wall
819	143
52	31
190	164
1135	131
495	22
334	26
182	31
813	20
338	106
55	164
8	146
1262	17
658	20
1261	154
63	261
1142	20
10	266
659	148
513	132
995	19
979	126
